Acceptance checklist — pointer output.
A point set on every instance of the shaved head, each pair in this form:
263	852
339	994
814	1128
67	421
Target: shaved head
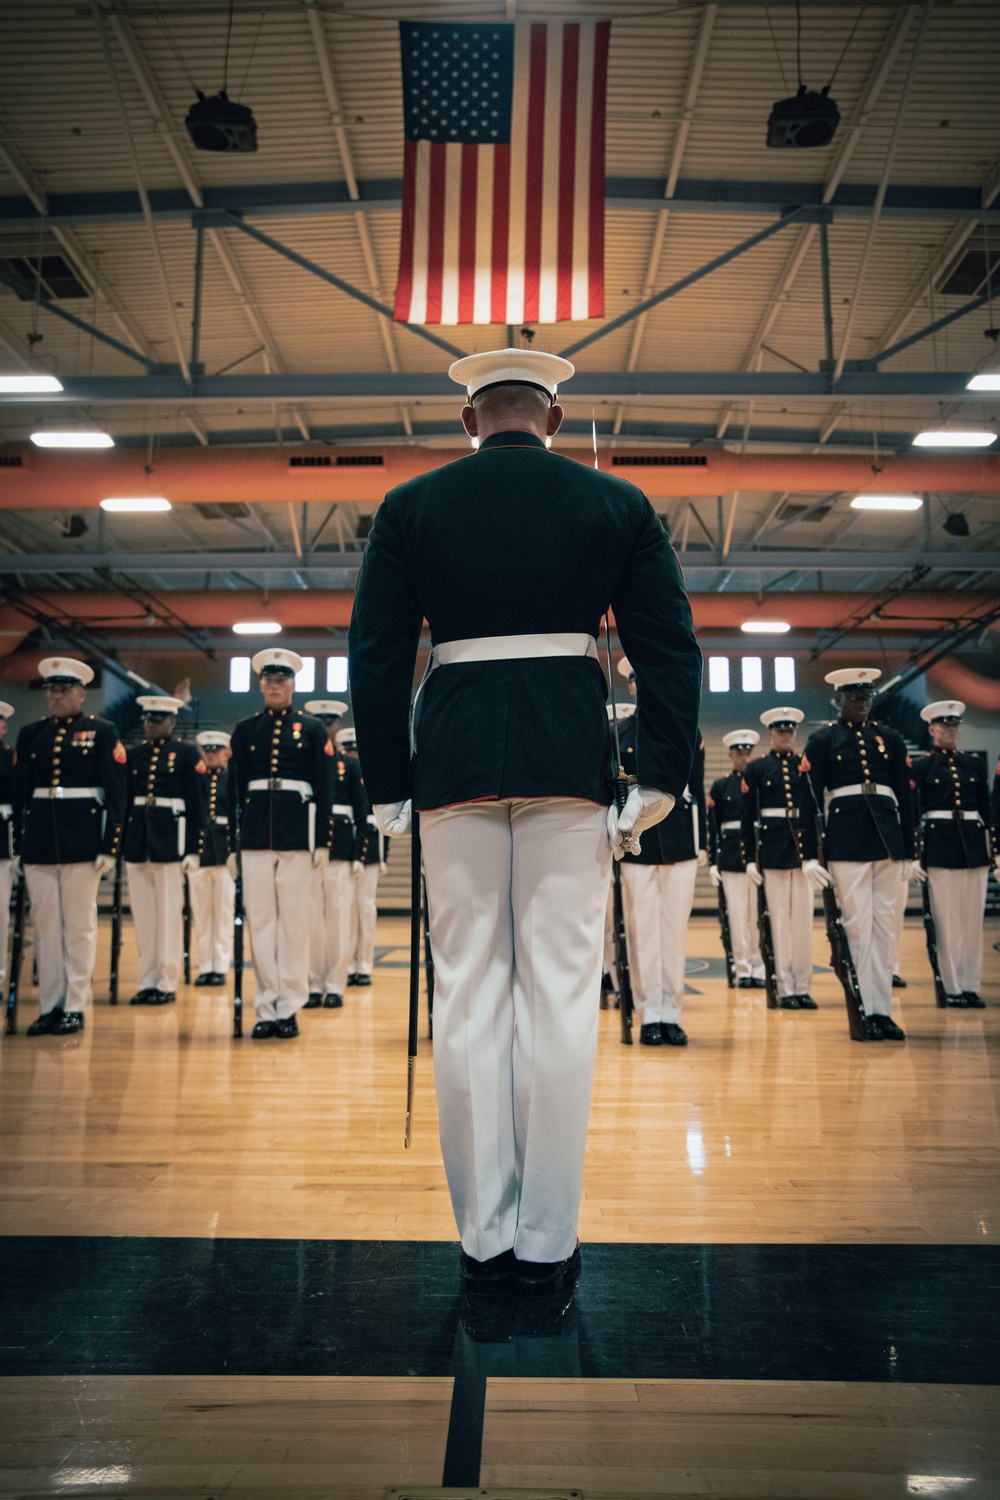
512	408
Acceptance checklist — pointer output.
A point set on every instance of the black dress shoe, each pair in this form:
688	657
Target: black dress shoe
758	984
288	1027
332	1002
203	980
362	981
542	1278
607	985
898	983
66	1022
264	1029
314	1002
746	983
788	1002
806	1002
956	1002
141	997
484	1278
672	1034
42	1025
973	1000
649	1035
160	997
872	1028
216	980
352	980
890	1031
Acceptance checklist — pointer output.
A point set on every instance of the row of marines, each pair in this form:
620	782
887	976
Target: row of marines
851	812
285	790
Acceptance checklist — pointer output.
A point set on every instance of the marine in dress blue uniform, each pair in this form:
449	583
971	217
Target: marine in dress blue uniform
335	880
861	769
953	806
512	555
365	872
7	867
213	890
167	809
69	807
280	800
727	867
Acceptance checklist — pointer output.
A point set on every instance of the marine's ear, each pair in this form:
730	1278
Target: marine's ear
469	420
556	415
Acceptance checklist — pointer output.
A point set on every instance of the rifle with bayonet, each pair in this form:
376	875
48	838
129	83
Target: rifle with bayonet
841	958
621	786
930	936
764	931
239	921
727	935
428	968
116	934
186	918
16	952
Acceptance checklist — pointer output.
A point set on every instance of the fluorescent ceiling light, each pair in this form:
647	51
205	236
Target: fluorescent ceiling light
28	385
956	439
886	502
136	503
765	627
80	438
256	627
984	382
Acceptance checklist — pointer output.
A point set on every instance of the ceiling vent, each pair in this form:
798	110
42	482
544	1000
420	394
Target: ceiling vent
360	460
37	272
223	510
11	461
659	461
792	510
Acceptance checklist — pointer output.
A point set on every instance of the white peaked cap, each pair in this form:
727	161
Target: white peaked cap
948	708
625	667
66	667
511	367
152	705
782	716
212	739
277	656
849	676
345	737
736	737
327	708
6	709
620	711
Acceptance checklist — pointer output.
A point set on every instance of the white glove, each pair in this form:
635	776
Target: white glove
701	858
356	869
907	870
755	876
714	876
103	864
232	865
644	808
382	866
321	856
818	876
394	819
191	862
15	864
919	873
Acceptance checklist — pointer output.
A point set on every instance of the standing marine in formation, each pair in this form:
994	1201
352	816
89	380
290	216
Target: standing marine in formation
213	890
7	862
364	895
727	865
333	880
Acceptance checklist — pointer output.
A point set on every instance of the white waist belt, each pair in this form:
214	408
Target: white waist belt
175	804
6	811
942	814
280	784
343	810
70	793
728	827
372	820
514	648
864	789
779	812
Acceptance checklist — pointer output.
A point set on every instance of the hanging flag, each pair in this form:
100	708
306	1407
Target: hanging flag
503	182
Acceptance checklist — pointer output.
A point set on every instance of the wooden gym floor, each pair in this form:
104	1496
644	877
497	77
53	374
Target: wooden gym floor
224	1276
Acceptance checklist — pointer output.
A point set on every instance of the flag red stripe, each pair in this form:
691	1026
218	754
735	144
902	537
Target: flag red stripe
404	284
501	227
467	235
435	236
597	129
567	171
533	177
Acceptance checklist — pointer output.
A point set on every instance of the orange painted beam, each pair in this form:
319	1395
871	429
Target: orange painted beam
265	475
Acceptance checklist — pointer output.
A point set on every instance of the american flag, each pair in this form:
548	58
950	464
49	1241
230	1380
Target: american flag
503	183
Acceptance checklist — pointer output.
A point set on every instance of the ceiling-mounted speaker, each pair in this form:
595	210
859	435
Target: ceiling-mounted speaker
217	124
807	119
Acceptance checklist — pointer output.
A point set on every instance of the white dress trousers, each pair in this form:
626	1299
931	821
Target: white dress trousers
658	901
213	894
6	884
958	898
901	900
156	896
516	893
741	899
361	943
64	913
790	906
331	898
277	885
868	892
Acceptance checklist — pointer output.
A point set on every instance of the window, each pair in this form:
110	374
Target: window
752	671
718	674
784	674
305	681
239	674
336	674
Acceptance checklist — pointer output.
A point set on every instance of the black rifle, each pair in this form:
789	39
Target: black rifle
116	934
764	921
930	935
186	917
16	954
727	936
840	949
428	968
411	1035
239	921
626	1004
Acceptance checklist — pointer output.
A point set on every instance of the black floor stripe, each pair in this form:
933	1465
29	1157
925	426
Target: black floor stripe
310	1307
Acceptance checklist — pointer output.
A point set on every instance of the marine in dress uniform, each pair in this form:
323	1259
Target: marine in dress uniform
280	799
658	887
167	809
862	769
334	880
512	554
213	890
953	805
364	905
727	866
778	835
7	865
69	807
